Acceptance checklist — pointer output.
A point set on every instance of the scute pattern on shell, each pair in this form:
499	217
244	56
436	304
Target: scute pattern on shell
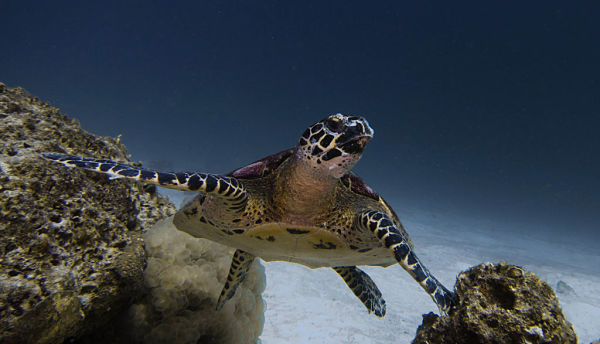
261	167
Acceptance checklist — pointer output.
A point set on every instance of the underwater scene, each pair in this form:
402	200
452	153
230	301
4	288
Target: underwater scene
299	172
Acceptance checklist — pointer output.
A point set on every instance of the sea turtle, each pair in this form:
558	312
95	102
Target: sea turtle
301	205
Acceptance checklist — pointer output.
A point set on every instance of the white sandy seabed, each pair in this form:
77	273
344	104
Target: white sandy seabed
316	306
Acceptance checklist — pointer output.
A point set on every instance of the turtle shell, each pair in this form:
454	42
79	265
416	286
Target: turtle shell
266	165
355	183
261	167
352	181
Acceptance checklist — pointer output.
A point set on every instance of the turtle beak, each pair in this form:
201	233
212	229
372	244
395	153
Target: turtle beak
362	141
367	136
356	145
367	128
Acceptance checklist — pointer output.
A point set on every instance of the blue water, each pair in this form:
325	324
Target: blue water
485	110
478	108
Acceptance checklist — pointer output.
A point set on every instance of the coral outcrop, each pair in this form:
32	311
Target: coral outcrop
185	275
72	247
71	252
499	304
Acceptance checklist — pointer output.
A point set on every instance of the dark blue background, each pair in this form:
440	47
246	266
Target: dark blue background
483	109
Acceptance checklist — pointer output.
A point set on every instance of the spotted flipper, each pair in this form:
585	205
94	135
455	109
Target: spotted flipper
383	227
364	288
240	263
226	187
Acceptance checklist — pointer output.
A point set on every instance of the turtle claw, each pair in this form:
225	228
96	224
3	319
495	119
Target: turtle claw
377	307
445	300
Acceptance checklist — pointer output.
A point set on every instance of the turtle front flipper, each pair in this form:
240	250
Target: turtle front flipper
363	287
225	187
383	227
240	263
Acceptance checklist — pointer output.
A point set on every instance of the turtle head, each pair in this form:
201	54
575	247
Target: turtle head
333	145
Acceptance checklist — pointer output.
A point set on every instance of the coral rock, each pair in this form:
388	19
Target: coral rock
72	253
185	276
72	248
499	303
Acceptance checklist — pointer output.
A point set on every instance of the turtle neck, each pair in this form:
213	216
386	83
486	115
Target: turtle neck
303	192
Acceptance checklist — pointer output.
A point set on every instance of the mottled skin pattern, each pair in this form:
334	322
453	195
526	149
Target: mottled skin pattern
302	205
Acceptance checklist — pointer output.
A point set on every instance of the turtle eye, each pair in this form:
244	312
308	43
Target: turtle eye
334	124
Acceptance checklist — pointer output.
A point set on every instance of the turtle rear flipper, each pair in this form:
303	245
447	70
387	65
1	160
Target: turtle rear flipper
226	187
240	263
364	288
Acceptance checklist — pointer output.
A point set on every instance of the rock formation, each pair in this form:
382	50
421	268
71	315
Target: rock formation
72	246
185	275
499	304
